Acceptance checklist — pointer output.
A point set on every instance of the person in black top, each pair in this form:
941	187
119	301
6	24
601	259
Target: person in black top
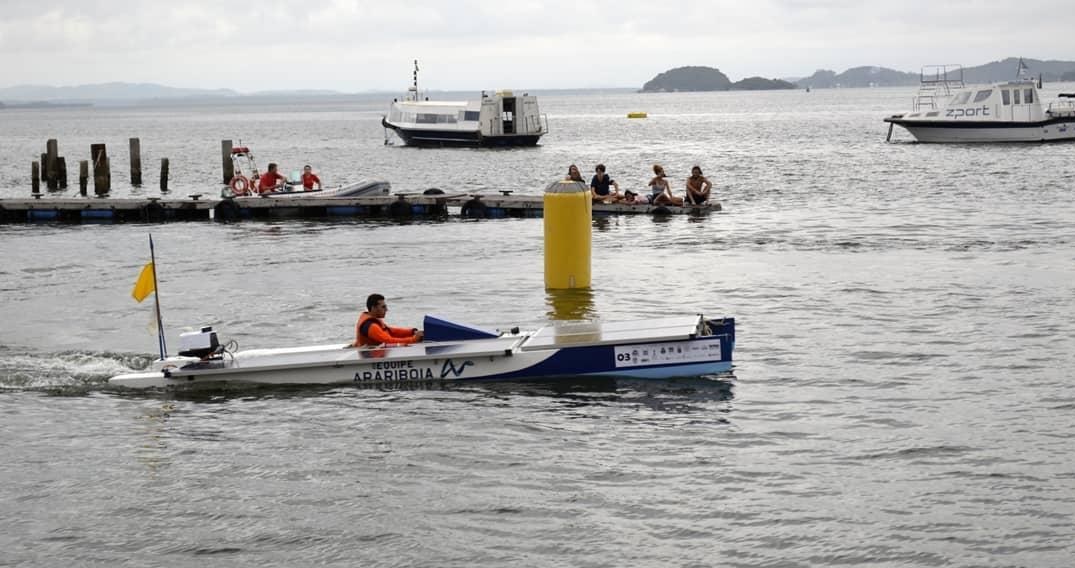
604	189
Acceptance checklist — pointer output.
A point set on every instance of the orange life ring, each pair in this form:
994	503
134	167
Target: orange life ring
240	185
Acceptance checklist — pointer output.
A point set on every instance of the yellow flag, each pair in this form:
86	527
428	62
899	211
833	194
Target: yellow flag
144	286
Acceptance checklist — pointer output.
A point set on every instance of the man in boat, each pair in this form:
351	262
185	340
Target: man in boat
604	189
309	178
372	330
271	180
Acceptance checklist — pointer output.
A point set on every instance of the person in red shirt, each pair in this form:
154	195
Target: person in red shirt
271	180
372	330
309	178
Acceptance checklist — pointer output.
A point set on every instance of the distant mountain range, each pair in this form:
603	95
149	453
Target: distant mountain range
45	95
711	79
1003	70
679	79
106	91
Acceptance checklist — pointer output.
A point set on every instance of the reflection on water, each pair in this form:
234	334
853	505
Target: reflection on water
675	396
153	453
570	304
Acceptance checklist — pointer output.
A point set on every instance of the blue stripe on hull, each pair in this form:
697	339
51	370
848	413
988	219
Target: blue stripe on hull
689	370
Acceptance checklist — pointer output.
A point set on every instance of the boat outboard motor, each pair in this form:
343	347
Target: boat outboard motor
201	344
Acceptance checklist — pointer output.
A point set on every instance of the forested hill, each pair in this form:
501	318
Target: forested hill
699	78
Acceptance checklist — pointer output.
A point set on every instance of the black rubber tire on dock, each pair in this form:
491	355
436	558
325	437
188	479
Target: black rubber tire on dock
226	211
399	209
153	212
473	209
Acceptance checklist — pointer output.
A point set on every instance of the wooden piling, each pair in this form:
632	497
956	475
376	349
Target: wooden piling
102	173
61	171
225	160
164	175
35	179
43	166
83	176
136	162
48	166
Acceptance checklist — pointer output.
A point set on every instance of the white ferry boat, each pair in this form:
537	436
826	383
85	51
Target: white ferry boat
499	119
947	110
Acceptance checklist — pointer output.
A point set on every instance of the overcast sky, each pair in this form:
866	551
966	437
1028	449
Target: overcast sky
360	45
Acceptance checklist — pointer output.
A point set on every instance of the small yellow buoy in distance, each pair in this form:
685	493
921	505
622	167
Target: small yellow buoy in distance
568	214
636	115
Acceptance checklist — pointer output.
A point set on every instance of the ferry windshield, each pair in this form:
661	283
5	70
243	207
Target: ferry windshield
961	98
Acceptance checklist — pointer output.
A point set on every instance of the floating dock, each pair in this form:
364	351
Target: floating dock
196	207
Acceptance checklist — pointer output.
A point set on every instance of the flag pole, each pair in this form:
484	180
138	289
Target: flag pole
157	300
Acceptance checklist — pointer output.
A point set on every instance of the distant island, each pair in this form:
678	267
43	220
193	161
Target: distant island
699	78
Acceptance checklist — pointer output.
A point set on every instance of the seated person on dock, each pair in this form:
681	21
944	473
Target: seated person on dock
697	187
372	330
632	198
601	187
573	174
660	192
271	180
309	178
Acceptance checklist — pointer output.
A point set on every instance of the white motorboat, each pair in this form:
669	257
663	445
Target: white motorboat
244	182
499	119
355	189
946	110
654	348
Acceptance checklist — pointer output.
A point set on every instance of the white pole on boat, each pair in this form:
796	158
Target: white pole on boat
416	80
157	301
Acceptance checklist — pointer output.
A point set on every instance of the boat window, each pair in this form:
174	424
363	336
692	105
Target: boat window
1006	96
1016	94
982	95
471	115
1029	96
933	113
961	98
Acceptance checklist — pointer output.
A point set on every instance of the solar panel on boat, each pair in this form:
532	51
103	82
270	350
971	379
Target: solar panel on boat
596	333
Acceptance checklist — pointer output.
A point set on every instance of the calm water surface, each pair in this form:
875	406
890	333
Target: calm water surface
901	394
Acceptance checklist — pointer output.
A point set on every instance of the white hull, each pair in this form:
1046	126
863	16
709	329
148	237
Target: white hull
960	133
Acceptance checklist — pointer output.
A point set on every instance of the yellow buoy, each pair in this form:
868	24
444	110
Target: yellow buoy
568	211
636	115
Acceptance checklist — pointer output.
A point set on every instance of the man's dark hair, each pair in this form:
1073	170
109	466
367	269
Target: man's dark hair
372	300
600	168
272	166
